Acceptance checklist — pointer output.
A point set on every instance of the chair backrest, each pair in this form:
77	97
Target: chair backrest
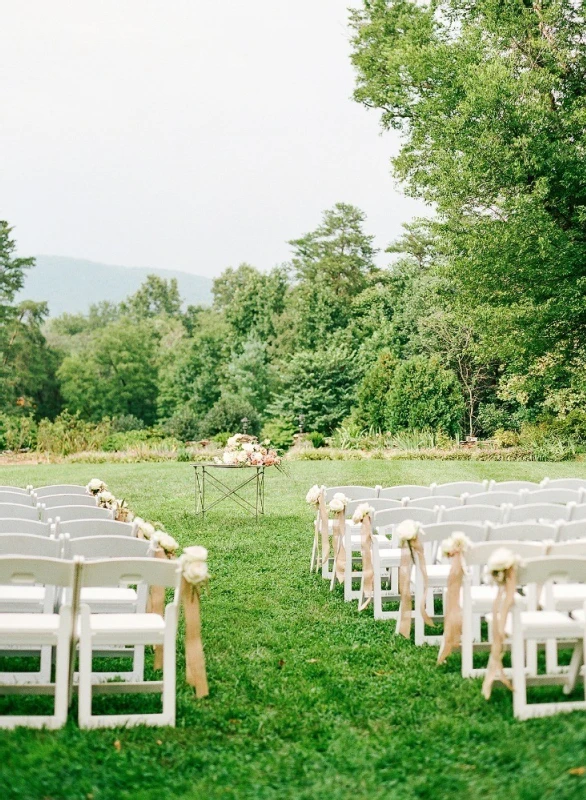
540	570
491	498
109	547
458	488
472	514
377	503
564	483
18	498
522	531
31	570
549	512
14	511
15	490
565	549
352	492
407	490
555	495
385	521
27	544
578	513
438	531
572	530
66	513
512	486
434	501
83	528
60	488
30	526
116	571
480	553
56	500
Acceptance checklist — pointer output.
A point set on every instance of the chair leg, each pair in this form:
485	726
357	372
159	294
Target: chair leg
519	681
348	574
574	669
169	667
85	671
467	648
46	662
138	663
62	669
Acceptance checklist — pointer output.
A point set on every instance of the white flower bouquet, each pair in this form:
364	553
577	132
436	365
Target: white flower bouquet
95	486
338	502
194	565
107	500
499	564
313	495
458	542
246	451
362	511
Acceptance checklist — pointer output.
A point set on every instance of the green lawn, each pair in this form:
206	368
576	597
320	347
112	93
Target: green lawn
308	698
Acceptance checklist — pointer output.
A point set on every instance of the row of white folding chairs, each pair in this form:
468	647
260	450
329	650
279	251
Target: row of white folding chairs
49	501
555	496
75	623
453	489
74	527
66	512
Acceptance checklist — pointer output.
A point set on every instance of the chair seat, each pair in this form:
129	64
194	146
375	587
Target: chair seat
22	594
545	625
483	597
437	574
20	628
108	595
126	628
566	596
579	616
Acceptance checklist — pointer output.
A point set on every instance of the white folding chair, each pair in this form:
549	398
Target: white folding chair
523	532
35	631
17	498
437	572
478	597
553	495
577	513
57	500
564	483
352	492
434	501
103	631
378	503
479	514
60	488
572	530
68	513
493	498
76	528
15	490
407	491
512	486
532	626
34	526
458	488
114	599
537	512
18	511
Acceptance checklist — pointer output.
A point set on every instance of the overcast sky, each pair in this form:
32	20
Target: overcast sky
184	134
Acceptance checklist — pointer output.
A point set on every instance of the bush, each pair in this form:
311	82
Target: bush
17	433
543	444
492	417
316	438
222	438
503	438
373	393
227	415
280	432
127	422
69	434
425	396
129	439
183	425
572	426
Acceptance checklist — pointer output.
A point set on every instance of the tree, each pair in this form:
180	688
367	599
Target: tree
373	393
250	376
319	384
156	296
114	374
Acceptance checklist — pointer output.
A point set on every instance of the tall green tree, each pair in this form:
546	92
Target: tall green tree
156	296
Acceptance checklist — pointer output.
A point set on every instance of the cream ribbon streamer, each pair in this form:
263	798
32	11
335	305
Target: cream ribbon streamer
367	582
325	528
195	665
453	611
411	554
339	549
503	603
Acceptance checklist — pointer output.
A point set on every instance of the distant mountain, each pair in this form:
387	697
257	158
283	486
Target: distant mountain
73	284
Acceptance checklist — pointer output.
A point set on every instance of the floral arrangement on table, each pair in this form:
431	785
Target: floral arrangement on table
243	450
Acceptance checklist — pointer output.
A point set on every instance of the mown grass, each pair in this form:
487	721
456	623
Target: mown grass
309	699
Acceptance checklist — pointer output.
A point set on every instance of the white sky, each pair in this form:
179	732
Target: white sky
184	134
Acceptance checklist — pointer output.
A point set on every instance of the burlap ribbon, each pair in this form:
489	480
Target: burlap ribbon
453	611
503	603
195	665
156	605
367	582
324	528
339	549
411	554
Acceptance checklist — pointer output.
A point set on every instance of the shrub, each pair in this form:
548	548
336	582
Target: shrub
70	434
17	433
373	393
280	432
503	438
492	417
543	444
227	415
222	438
129	439
127	422
425	396
183	425
316	438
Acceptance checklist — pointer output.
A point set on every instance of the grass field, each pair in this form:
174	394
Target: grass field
308	698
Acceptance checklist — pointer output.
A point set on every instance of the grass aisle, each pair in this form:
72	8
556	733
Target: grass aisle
308	698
